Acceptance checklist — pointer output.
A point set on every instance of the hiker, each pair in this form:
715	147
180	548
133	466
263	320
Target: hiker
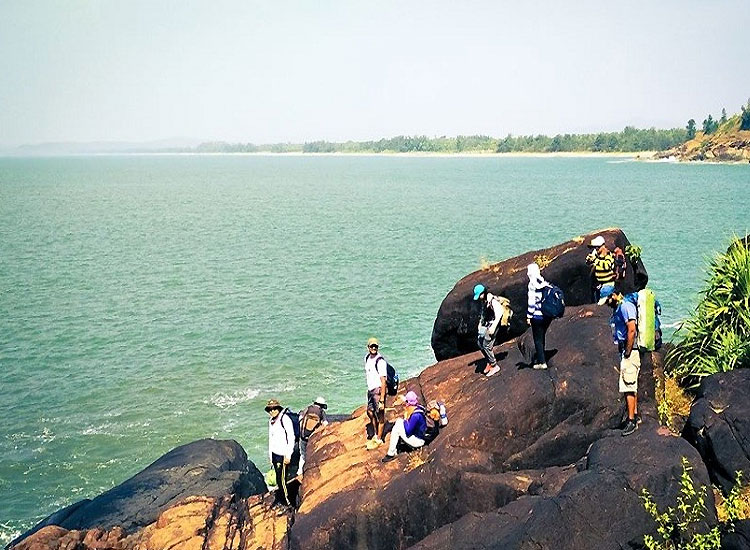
625	320
410	429
602	263
310	419
281	441
495	312
534	316
621	264
375	374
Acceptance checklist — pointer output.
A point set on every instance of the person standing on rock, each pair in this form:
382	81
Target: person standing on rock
280	449
534	316
602	263
490	317
310	419
375	374
624	320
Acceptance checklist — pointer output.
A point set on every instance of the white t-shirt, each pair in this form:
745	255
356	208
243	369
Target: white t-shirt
374	371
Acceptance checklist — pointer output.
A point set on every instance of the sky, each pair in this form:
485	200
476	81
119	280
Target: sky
295	71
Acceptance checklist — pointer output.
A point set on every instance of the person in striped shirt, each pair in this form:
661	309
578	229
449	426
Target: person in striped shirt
534	316
602	262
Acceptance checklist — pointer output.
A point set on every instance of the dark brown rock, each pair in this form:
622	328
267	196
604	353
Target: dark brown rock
514	434
455	330
597	508
719	425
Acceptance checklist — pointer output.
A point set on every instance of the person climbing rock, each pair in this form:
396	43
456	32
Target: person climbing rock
281	443
602	263
494	313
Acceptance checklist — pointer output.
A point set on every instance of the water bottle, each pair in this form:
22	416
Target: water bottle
443	415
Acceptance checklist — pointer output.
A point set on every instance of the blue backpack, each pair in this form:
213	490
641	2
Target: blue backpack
553	302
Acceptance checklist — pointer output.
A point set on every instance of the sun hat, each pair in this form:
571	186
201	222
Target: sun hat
597	241
272	404
372	341
322	402
604	293
478	291
411	398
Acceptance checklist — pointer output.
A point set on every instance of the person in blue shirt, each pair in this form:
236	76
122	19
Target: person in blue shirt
409	429
625	326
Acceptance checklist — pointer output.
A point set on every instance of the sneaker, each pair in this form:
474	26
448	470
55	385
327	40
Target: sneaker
630	427
387	458
540	366
371	444
493	370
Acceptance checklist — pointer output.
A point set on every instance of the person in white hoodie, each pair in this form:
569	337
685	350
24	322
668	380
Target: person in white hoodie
280	449
534	317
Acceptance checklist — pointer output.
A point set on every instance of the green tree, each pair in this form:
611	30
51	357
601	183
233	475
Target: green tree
716	338
723	118
745	117
691	129
709	125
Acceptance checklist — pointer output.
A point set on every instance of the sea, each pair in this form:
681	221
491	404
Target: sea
149	301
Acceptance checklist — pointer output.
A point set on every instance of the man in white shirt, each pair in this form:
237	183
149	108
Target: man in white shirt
280	449
375	373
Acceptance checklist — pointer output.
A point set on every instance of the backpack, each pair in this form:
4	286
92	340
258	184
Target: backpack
648	324
507	312
432	430
294	417
391	376
309	423
553	302
620	264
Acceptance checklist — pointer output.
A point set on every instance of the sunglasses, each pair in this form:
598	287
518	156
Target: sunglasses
373	346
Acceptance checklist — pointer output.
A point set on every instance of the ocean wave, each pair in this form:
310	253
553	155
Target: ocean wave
228	400
8	533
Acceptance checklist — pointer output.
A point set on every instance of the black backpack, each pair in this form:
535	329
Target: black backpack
294	417
391	376
553	302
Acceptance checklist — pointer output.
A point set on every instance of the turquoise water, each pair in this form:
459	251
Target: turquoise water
149	301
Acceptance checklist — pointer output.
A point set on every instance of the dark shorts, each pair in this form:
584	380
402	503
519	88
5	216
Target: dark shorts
373	397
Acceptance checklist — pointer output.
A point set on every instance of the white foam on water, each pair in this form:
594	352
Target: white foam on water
228	400
8	533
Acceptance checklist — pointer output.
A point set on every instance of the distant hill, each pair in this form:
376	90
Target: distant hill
727	144
101	147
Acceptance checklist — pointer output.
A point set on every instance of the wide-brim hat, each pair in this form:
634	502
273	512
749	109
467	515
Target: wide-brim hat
273	404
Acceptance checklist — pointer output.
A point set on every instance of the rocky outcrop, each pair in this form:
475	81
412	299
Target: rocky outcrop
455	330
733	146
208	467
719	425
196	523
514	434
599	507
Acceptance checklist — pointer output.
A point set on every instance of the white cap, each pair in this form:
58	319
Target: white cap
321	401
597	241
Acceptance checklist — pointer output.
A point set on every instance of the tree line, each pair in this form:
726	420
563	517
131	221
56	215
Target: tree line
630	139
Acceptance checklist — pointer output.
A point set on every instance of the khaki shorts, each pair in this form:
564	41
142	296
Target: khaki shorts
629	369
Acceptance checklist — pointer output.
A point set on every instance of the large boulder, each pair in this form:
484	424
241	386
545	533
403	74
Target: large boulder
455	330
510	435
719	425
208	468
598	508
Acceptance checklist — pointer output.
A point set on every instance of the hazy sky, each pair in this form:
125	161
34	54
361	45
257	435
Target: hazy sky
280	70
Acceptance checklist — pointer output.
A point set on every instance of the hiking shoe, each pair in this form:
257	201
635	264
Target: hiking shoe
540	366
630	427
387	458
493	370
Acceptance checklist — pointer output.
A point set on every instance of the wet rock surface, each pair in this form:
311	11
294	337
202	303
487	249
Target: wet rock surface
455	330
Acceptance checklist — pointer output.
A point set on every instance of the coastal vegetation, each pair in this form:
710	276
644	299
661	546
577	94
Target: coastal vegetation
717	336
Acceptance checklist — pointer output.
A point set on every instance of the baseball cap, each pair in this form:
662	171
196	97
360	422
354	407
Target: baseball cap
372	341
605	293
597	241
272	404
478	289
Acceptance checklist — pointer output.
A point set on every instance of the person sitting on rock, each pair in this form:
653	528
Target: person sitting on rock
602	263
375	375
624	320
492	314
280	449
534	316
410	429
310	419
